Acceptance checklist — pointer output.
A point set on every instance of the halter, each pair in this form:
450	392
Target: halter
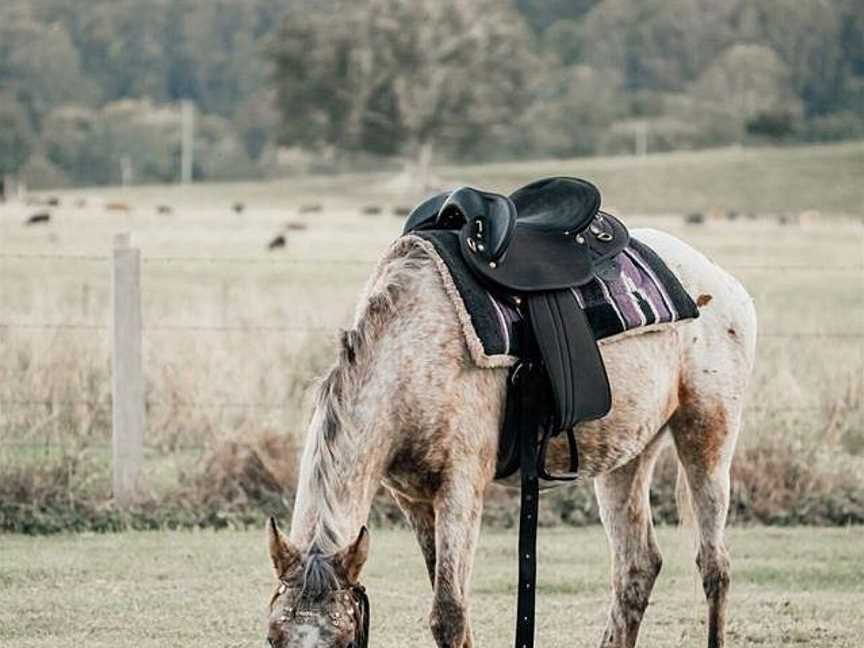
357	594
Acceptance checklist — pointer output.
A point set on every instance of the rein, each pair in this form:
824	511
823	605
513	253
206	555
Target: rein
358	595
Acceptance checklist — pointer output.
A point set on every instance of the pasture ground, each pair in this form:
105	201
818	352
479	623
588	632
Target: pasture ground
191	589
234	335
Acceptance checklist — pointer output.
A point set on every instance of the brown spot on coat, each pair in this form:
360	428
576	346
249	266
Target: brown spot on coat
703	300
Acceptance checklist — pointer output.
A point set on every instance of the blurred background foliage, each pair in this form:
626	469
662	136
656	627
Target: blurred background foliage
296	85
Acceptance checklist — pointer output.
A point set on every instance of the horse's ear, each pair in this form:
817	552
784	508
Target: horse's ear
283	554
354	556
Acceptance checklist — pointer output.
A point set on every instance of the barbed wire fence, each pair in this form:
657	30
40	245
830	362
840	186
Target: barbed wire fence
128	404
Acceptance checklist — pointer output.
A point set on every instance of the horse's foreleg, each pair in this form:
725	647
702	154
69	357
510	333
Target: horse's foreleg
421	517
458	509
705	440
636	560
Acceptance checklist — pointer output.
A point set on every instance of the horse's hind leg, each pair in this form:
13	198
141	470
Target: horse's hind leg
705	440
625	510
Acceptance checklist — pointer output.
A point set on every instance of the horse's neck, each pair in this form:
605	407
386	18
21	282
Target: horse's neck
370	392
337	484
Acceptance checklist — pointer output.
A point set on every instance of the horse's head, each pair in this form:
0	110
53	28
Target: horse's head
319	602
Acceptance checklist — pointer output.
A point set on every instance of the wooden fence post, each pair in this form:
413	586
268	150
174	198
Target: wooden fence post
127	379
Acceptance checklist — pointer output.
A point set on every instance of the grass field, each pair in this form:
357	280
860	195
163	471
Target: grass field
149	590
234	334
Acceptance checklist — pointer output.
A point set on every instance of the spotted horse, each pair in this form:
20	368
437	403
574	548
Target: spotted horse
530	339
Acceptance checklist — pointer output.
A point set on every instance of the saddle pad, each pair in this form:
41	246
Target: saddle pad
633	290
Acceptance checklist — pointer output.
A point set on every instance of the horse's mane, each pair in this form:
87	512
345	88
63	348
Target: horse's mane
319	577
332	434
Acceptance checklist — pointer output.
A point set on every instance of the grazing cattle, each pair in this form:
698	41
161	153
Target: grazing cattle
164	209
117	207
278	241
238	207
311	209
38	217
371	210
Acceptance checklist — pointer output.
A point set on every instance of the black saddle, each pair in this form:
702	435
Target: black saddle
548	235
533	248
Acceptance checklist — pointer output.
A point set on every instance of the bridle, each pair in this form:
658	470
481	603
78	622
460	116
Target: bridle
356	594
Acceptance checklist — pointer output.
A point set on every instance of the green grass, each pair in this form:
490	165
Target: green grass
801	586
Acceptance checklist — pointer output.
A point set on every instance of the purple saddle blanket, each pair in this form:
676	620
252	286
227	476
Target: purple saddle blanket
632	290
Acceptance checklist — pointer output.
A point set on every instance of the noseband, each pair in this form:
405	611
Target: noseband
355	593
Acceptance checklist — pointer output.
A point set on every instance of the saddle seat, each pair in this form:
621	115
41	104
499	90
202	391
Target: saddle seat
548	235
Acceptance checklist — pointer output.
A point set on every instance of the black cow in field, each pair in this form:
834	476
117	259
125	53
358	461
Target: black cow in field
278	242
38	217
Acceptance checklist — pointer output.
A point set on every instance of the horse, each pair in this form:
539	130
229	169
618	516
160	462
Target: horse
405	406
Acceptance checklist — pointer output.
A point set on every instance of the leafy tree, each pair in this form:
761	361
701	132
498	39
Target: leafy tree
16	137
563	40
429	73
657	44
39	63
543	14
806	34
416	77
745	83
75	139
574	107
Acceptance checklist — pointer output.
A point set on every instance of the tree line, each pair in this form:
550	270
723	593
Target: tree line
87	83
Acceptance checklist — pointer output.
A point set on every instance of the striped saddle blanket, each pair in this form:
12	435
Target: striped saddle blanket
633	290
